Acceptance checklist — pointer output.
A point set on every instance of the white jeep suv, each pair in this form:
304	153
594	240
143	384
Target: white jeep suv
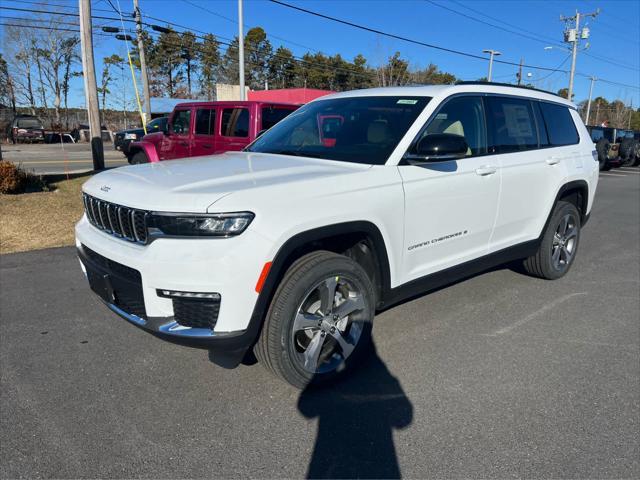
352	203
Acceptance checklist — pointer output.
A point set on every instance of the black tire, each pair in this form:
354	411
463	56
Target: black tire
544	263
602	147
628	152
138	158
284	346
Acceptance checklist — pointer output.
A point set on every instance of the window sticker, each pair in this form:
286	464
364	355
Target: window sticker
406	101
441	116
517	120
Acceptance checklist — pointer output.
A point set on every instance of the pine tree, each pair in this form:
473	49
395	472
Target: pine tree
209	58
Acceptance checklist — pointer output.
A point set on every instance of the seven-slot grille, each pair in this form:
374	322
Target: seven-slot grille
124	222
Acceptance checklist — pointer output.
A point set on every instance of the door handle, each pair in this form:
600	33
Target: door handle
486	170
552	160
206	145
183	144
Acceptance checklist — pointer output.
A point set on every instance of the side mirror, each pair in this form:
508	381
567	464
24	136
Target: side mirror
438	147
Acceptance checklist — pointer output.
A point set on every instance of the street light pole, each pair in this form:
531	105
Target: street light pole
491	53
241	51
586	118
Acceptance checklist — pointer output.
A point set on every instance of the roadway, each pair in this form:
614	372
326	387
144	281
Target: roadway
56	158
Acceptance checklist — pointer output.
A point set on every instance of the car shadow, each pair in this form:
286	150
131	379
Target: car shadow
356	420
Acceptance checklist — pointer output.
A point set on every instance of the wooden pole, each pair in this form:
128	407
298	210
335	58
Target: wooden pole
143	63
90	86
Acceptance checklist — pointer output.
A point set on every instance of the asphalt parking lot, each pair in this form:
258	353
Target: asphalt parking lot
501	375
55	158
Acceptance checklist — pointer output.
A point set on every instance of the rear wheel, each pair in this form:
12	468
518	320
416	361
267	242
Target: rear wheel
319	321
559	244
138	157
628	152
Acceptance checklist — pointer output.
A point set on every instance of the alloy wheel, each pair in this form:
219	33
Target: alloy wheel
328	324
564	242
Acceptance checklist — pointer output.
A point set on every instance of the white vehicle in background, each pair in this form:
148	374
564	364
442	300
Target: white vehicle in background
352	203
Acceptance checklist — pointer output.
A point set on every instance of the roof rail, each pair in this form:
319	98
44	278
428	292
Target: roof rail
465	82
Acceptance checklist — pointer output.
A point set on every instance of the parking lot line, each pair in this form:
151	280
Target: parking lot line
611	175
630	170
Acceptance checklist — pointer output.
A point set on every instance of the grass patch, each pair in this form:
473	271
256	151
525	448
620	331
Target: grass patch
31	221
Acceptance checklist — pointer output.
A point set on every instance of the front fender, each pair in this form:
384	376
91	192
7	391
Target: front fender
147	147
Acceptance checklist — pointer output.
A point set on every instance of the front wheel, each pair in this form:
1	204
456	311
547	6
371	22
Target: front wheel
138	157
319	321
559	245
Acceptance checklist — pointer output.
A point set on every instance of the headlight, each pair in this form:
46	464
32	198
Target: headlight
130	136
186	225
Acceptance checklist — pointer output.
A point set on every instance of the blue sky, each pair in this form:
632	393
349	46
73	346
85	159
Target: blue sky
615	34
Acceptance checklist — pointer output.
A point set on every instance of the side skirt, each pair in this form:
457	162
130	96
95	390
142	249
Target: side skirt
456	273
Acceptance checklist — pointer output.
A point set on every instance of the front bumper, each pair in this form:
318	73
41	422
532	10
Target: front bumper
229	267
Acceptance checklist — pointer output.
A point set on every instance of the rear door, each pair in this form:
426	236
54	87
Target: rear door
234	128
204	139
536	143
177	144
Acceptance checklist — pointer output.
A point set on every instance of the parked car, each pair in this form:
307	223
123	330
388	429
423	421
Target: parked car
290	247
606	146
123	138
25	128
203	128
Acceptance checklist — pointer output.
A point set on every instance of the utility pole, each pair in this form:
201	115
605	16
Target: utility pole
491	53
143	62
241	50
520	71
90	87
586	117
574	35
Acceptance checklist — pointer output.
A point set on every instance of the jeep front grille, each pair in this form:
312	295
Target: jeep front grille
123	222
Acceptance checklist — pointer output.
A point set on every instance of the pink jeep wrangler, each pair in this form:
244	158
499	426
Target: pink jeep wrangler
205	128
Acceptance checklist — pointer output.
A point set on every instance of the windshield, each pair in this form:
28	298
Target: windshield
354	129
29	123
157	124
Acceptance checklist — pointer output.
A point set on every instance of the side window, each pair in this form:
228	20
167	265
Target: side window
562	130
543	137
511	124
181	122
235	122
205	121
462	116
272	115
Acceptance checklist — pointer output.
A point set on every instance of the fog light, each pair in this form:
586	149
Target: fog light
193	295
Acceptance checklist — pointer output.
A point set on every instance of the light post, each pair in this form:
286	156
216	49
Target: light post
492	53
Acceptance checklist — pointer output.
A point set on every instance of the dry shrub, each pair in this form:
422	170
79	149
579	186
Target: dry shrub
14	179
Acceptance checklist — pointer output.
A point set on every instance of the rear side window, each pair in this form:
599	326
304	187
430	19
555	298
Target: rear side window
235	122
560	126
596	134
512	126
272	115
205	121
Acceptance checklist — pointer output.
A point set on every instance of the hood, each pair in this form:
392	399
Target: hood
193	185
139	131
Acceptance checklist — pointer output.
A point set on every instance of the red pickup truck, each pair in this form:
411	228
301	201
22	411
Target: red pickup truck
205	128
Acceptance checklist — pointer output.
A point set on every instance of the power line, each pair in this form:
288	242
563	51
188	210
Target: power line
399	37
536	39
235	22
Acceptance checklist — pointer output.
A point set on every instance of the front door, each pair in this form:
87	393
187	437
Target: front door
450	207
177	144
